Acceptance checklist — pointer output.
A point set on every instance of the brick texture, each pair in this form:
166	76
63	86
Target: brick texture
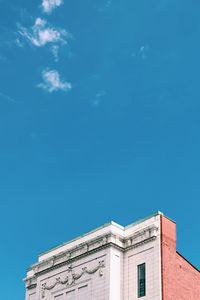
180	280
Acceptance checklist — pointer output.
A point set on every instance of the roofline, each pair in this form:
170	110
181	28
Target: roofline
101	227
144	219
193	266
82	235
169	219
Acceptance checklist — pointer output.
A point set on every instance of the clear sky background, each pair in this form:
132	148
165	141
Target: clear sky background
99	121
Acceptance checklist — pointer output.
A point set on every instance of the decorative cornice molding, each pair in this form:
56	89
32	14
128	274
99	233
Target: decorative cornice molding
142	236
71	277
136	239
33	286
31	282
72	253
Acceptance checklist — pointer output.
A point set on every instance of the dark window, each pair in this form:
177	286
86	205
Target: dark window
141	280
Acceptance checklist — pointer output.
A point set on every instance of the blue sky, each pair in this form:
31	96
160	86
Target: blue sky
99	121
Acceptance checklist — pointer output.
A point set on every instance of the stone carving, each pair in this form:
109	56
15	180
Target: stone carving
31	282
142	236
71	277
71	253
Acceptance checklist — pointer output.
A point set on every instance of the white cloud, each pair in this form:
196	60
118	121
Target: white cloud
42	34
144	51
49	5
55	50
19	43
52	82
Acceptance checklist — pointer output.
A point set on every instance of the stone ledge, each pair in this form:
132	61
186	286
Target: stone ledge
140	237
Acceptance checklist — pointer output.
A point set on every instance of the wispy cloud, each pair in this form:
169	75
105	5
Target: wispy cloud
19	43
105	6
142	52
52	82
6	97
55	50
108	3
49	5
98	98
42	34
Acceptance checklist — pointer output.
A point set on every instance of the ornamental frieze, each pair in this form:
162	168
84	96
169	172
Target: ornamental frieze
71	277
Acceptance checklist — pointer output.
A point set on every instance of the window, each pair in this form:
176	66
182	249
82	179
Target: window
141	280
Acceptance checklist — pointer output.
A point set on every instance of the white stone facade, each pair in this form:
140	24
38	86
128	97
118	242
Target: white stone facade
101	265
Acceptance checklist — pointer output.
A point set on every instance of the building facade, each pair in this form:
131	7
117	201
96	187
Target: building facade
116	263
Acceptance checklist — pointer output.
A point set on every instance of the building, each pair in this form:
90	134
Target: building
116	263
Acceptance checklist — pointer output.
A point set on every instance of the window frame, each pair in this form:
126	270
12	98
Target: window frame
141	280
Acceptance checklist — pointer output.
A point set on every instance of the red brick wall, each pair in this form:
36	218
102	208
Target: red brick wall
180	280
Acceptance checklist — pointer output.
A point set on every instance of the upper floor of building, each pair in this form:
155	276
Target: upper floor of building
114	262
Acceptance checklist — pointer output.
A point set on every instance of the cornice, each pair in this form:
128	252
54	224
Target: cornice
32	286
134	240
74	252
141	236
29	280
